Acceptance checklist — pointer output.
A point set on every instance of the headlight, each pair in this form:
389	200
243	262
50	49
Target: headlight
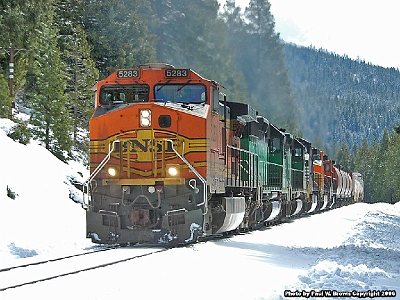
172	170
145	117
112	171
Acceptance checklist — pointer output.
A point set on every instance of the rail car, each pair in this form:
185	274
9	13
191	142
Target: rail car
173	160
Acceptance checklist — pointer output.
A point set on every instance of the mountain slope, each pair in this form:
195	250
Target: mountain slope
347	98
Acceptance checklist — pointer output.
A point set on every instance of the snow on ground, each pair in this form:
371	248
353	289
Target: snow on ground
42	216
353	249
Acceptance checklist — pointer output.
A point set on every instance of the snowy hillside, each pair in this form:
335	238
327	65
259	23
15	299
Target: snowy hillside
42	216
354	249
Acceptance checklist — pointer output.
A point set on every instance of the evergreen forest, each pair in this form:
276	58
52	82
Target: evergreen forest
60	48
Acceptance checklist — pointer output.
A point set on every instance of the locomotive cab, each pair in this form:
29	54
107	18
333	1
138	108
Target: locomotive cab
148	156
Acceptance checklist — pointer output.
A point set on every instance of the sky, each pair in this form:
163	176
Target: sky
352	248
364	29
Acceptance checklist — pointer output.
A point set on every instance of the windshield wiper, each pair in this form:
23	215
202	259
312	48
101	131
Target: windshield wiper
160	87
183	85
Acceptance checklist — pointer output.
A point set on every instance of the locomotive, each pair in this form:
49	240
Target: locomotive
173	161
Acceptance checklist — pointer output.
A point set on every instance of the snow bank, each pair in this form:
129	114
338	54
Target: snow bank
42	216
368	259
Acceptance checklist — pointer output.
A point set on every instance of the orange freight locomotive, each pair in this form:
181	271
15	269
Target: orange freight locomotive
172	160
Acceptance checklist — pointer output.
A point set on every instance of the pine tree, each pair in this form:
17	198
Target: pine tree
343	156
80	68
392	170
263	64
373	176
46	83
233	18
4	98
235	31
118	34
194	46
362	164
18	21
397	128
159	22
82	75
381	187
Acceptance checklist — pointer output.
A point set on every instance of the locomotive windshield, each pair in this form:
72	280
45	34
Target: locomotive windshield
117	94
180	93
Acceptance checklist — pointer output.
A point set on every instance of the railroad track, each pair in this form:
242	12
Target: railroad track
21	275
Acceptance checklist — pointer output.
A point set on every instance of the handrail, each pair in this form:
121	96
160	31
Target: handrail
252	156
108	212
205	202
242	150
174	211
96	171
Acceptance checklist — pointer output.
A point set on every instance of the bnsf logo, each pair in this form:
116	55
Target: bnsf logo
144	145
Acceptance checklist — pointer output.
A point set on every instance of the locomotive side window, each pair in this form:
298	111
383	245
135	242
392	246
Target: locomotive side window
276	145
180	93
117	94
298	152
297	155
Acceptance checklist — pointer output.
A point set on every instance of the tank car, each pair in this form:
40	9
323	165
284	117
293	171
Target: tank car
172	160
358	187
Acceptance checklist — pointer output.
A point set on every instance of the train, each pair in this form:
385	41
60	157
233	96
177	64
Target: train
173	161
